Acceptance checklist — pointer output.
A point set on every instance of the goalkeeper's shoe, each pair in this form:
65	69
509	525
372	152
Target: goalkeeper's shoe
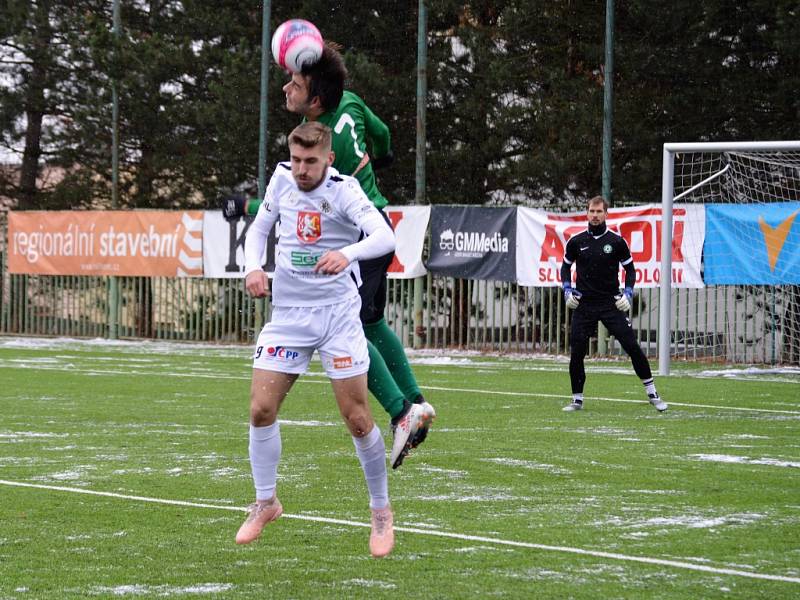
403	432
657	402
381	539
259	514
573	406
428	415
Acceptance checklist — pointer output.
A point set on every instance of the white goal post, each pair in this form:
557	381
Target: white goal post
715	173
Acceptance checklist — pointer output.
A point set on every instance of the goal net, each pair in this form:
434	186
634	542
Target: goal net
749	308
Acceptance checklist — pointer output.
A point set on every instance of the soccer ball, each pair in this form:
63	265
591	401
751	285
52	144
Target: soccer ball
296	43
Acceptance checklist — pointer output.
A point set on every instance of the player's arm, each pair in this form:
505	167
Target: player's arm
379	238
256	280
571	296
623	301
236	206
380	140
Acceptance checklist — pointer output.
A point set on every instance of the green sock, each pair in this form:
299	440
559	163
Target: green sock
382	384
391	349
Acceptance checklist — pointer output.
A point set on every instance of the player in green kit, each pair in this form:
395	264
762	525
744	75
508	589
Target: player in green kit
317	93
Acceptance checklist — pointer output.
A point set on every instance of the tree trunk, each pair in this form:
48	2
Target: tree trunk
35	106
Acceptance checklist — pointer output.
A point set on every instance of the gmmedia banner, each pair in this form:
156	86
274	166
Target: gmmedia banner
757	244
473	242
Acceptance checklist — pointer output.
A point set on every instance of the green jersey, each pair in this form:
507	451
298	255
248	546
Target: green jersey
354	128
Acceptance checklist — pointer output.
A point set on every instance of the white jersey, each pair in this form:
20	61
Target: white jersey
330	217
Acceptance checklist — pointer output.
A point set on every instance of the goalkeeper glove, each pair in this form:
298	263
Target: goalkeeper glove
233	206
384	161
623	302
572	297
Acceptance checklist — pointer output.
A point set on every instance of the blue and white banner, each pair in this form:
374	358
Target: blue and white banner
757	244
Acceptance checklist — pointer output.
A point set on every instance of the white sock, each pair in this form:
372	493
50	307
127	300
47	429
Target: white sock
577	398
372	454
650	387
265	454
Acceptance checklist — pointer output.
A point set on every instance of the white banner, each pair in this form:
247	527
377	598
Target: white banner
542	238
223	243
223	246
410	225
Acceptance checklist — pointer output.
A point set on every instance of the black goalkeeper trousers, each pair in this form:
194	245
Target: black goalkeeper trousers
584	322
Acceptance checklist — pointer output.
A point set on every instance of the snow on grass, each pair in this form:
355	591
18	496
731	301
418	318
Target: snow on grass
687	521
729	458
162	590
527	464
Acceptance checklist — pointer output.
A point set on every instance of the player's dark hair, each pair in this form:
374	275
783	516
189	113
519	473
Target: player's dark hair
327	77
597	200
310	135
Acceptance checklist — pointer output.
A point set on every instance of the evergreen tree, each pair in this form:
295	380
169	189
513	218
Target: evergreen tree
514	104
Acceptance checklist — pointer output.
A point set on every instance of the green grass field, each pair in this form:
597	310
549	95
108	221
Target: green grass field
124	473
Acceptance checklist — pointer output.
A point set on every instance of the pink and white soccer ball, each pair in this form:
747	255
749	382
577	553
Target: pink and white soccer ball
296	43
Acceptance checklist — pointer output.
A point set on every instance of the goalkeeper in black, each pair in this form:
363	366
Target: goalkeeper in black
597	254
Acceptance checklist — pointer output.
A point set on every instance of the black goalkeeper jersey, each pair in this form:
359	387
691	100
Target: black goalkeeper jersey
597	261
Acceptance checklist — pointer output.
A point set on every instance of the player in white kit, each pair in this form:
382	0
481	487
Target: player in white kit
321	216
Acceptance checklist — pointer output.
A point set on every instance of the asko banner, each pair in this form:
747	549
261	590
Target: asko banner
542	238
142	242
473	242
410	224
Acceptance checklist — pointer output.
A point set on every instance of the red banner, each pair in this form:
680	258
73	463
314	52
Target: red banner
542	238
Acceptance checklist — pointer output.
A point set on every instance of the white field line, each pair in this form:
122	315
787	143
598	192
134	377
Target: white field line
625	400
424	387
444	534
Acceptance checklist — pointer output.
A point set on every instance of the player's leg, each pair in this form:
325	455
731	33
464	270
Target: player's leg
349	382
583	320
619	325
382	384
351	396
281	354
410	424
267	391
380	380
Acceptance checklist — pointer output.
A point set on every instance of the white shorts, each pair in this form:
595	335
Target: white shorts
287	343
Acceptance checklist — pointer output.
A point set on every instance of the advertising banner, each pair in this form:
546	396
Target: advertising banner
473	242
757	244
143	242
223	246
542	238
410	224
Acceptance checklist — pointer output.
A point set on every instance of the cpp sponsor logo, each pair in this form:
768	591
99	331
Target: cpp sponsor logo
282	353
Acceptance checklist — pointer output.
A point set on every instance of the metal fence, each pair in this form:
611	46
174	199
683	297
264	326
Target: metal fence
715	324
730	324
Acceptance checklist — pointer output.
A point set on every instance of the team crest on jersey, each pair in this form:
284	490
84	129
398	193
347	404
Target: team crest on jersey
309	226
607	248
